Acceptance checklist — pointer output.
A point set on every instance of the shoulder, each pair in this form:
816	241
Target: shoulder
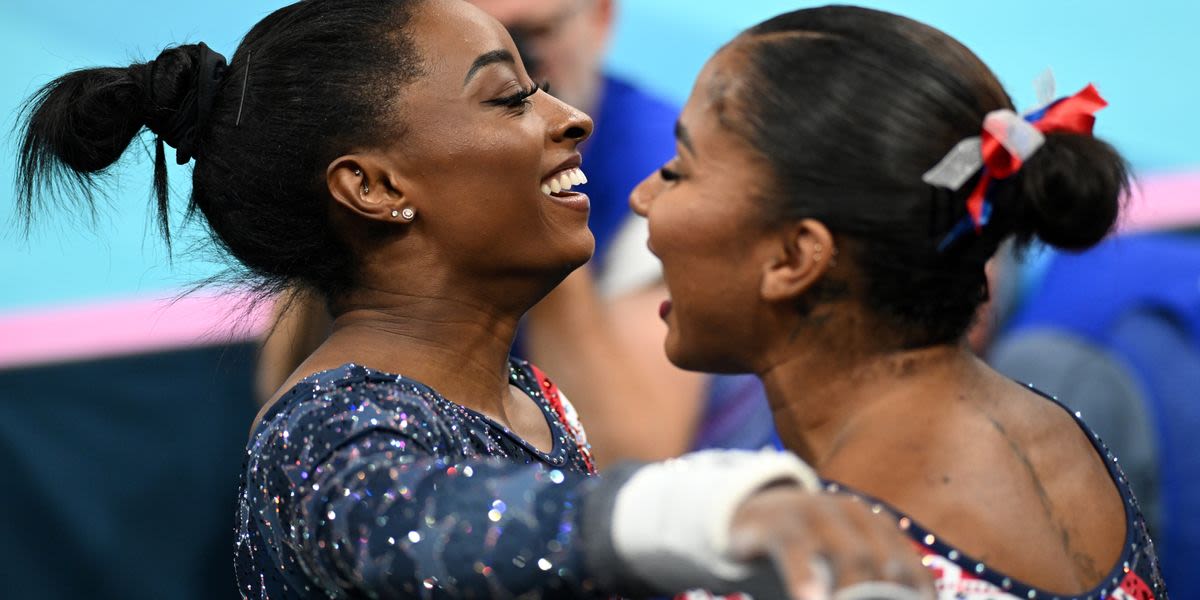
1000	476
329	407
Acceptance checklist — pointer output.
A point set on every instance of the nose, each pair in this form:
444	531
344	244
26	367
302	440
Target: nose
643	195
569	123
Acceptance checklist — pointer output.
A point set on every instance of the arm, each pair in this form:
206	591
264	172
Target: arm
608	356
361	491
390	527
347	492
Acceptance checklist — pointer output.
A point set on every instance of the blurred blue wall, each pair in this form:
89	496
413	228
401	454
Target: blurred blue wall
1143	56
141	452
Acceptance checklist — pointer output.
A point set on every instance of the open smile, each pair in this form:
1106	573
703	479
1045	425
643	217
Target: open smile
558	187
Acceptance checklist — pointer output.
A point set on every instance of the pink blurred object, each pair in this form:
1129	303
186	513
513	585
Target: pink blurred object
134	326
1164	201
138	325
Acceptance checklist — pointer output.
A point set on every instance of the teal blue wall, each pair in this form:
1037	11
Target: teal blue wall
1143	56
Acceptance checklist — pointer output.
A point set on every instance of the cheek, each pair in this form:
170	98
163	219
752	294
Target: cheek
488	209
485	178
696	241
713	286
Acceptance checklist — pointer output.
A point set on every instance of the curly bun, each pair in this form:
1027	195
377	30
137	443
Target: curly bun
1070	191
850	107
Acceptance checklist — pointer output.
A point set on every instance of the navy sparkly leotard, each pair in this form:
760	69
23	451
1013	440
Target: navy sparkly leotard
363	484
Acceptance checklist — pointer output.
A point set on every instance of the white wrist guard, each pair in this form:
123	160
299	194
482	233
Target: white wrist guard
671	520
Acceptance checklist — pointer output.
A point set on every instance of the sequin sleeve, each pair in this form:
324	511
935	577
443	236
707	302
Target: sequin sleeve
363	495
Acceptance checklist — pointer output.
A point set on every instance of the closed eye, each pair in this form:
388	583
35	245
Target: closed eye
516	100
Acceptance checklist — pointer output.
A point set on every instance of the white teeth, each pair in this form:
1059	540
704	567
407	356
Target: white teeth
564	181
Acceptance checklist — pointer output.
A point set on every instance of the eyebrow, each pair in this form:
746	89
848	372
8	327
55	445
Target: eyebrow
489	58
681	134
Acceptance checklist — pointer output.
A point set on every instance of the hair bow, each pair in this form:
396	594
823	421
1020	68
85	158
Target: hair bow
1006	142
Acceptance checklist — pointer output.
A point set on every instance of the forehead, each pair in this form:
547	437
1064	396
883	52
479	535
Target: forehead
451	34
523	12
713	108
712	119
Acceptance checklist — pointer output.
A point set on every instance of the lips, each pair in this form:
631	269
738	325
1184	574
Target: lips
664	309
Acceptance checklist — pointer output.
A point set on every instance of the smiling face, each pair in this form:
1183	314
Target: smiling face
707	226
479	150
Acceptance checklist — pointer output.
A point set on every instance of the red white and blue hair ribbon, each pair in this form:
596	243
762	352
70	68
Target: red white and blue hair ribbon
1006	142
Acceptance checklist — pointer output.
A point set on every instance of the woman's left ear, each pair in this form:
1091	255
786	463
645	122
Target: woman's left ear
803	253
369	187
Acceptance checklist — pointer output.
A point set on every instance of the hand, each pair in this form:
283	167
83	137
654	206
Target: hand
810	537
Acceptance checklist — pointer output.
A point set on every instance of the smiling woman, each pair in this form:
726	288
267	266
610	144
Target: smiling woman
395	160
809	234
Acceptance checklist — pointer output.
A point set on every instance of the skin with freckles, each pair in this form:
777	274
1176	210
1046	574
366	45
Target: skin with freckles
989	466
439	298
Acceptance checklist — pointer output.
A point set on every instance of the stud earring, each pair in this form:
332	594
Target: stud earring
408	214
358	172
817	248
366	189
395	213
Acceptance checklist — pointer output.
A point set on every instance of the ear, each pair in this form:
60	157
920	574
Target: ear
367	187
804	253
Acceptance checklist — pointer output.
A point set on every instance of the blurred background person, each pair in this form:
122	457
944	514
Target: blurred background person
806	246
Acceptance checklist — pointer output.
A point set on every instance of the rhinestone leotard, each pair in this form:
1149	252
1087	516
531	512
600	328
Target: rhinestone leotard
360	483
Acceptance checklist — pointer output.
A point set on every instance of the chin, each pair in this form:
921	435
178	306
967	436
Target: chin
691	356
566	259
580	249
681	355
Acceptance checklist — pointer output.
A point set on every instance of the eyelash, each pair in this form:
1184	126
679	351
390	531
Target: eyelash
521	98
668	174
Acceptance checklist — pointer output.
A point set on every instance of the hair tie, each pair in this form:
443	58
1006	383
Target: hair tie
1005	143
181	130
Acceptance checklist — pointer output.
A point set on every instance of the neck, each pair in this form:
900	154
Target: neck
821	399
459	348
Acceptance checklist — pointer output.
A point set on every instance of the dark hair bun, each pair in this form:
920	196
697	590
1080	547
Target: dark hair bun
262	135
87	118
83	119
1071	191
81	123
